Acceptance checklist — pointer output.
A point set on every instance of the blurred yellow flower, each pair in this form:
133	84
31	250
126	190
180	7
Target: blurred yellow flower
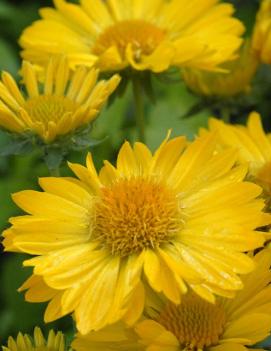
55	342
65	102
253	146
227	325
261	42
179	218
225	84
146	35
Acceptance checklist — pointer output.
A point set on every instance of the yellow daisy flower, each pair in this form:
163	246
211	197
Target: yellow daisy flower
196	324
65	102
146	35
253	145
225	84
181	217
227	325
55	342
262	32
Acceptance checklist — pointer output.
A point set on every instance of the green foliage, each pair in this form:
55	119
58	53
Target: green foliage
8	61
16	146
16	314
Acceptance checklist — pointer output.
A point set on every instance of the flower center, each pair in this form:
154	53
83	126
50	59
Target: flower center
143	37
134	214
196	323
45	108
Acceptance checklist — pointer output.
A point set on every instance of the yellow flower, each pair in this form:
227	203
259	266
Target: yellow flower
147	35
253	145
262	32
225	84
228	325
181	217
55	342
113	337
58	107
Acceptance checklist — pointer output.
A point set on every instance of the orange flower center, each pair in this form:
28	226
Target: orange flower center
134	214
45	108
141	36
196	323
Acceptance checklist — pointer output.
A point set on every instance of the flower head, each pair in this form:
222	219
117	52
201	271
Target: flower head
225	84
55	342
196	324
253	145
144	35
181	217
262	32
65	102
229	324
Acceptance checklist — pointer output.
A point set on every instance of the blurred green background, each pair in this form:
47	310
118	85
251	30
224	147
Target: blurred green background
117	124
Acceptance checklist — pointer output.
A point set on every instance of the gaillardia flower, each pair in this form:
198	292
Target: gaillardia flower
146	35
228	325
65	102
253	145
237	80
181	217
262	32
55	342
196	324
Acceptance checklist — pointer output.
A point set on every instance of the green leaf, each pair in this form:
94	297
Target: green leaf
165	115
16	147
82	142
53	158
195	109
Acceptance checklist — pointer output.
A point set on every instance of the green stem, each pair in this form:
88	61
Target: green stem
55	172
226	115
139	109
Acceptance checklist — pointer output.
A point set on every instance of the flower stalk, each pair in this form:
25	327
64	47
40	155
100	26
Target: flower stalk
139	109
